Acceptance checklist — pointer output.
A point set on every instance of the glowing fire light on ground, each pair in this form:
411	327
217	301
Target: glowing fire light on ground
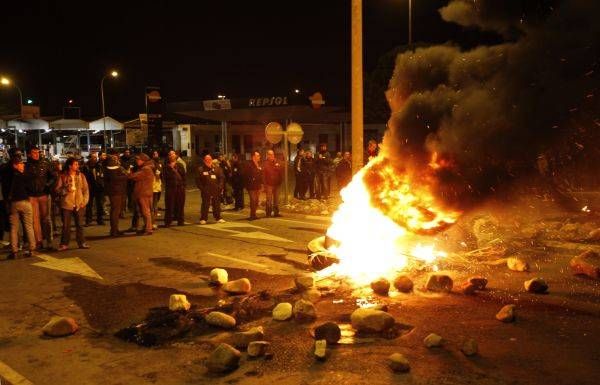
371	244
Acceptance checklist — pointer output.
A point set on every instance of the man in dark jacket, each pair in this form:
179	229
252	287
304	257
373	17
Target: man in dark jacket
174	180
299	188
115	184
128	163
142	193
253	175
343	171
324	166
20	208
308	175
210	181
6	173
94	174
273	172
41	179
237	182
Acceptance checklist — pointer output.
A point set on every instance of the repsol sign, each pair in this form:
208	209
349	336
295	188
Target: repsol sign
268	102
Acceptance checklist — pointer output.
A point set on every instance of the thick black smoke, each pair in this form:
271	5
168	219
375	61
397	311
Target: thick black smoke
490	112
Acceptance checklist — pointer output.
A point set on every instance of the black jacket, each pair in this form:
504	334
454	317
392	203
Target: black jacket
40	177
237	178
210	180
173	177
115	181
20	189
273	173
253	176
94	174
324	163
343	172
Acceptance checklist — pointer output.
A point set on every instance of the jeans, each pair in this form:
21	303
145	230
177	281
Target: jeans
143	207
210	200
272	193
42	226
77	215
253	202
21	211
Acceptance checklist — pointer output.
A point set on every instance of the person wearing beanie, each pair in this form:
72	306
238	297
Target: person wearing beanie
143	180
115	184
20	208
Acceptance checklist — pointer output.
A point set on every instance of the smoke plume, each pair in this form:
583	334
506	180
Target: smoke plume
488	113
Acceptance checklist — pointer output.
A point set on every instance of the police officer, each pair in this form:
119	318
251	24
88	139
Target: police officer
210	181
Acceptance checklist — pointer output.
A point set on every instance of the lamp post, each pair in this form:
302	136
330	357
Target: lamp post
357	87
113	74
6	82
409	22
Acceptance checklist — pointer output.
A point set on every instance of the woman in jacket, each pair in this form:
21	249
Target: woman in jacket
74	195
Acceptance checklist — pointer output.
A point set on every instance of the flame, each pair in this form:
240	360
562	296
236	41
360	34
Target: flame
376	223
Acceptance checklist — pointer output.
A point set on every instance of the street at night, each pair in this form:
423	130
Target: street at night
317	192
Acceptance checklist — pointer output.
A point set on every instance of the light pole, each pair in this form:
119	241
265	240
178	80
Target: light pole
357	87
409	22
113	74
6	82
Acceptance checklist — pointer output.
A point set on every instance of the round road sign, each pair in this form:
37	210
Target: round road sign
294	133
274	132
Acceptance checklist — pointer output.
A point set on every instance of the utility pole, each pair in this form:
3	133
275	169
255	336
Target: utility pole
357	87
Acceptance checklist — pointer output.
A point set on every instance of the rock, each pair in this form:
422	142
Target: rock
506	314
321	349
258	348
369	320
403	283
381	286
468	288
439	282
398	363
304	282
594	235
243	339
283	311
329	331
304	310
222	320
587	263
433	341
469	347
239	286
517	264
380	306
179	302
479	282
60	327
223	359
311	295
218	276
536	285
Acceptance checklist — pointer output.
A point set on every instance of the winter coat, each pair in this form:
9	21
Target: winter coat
72	190
253	176
273	173
40	177
343	172
173	176
324	163
143	179
210	180
115	181
237	178
94	175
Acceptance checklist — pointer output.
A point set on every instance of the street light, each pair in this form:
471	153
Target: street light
113	74
409	22
6	82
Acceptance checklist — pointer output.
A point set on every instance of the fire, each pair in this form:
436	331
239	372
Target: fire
375	226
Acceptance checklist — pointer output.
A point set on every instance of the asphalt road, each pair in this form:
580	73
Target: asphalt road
115	283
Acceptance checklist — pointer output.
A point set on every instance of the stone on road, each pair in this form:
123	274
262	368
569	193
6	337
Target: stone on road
179	302
223	359
432	340
304	310
506	314
239	286
371	321
587	263
398	363
283	311
218	276
60	327
243	339
221	320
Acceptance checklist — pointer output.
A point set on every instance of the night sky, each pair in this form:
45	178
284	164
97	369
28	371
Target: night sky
196	50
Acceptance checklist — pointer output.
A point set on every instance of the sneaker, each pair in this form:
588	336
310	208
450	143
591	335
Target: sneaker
63	247
221	220
29	254
84	246
11	256
203	222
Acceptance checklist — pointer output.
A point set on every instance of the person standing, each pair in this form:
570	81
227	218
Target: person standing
115	182
55	210
253	181
308	171
74	195
210	182
273	172
94	174
181	161
237	182
128	163
343	171
299	187
372	151
21	209
41	179
226	198
156	186
324	166
142	193
174	178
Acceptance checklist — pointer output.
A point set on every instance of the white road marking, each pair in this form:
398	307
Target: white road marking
69	265
9	375
237	260
230	227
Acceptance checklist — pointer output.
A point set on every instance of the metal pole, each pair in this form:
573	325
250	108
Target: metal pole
103	112
409	22
357	87
285	161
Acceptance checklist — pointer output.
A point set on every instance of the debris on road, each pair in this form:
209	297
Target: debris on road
381	286
223	359
179	302
369	320
439	282
398	363
304	310
304	282
239	286
469	347
218	276
403	283
587	263
258	348
282	312
219	319
517	264
60	327
433	340
536	285
329	331
506	314
243	339
321	349
479	282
